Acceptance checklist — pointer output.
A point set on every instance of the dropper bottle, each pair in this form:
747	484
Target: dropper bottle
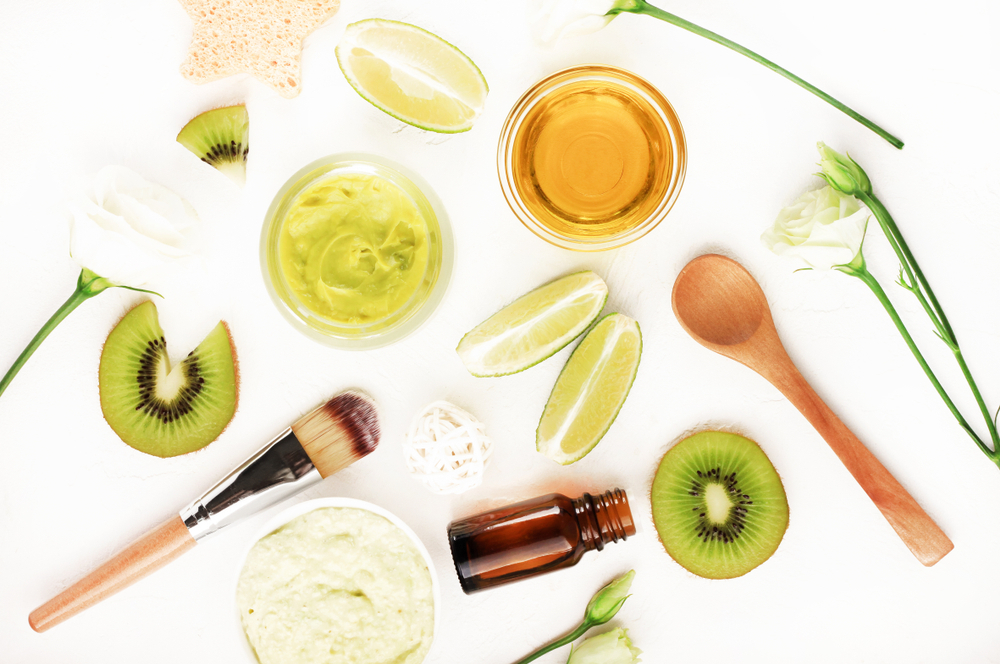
536	536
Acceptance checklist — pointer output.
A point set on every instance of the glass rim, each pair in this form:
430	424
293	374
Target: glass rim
559	79
405	320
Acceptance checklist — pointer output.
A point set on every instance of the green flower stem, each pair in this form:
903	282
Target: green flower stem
922	290
76	299
862	273
87	286
643	7
917	282
559	643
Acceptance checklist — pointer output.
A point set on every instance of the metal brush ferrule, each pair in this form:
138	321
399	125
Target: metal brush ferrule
278	470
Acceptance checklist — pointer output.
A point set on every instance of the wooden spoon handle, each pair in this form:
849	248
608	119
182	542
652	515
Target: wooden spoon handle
913	525
143	557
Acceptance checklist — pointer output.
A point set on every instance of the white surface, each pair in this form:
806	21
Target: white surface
87	84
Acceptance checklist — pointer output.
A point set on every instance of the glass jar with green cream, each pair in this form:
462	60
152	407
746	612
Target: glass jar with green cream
354	253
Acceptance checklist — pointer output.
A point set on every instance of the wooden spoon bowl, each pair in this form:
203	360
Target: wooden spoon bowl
718	302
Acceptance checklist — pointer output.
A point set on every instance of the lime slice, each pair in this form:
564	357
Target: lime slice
590	390
413	75
533	327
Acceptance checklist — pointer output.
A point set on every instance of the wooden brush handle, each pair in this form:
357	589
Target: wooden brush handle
143	557
913	525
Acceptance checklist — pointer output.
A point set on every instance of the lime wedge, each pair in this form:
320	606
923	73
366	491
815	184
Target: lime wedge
590	390
413	75
533	327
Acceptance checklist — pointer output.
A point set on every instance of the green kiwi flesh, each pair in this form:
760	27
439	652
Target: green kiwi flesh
221	138
162	410
718	505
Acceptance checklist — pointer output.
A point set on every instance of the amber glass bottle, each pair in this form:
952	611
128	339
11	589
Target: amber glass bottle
537	536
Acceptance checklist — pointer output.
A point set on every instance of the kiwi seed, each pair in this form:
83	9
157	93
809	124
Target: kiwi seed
718	505
161	410
220	138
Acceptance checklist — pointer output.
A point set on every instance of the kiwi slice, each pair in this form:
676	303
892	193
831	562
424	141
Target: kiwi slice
718	505
221	138
161	410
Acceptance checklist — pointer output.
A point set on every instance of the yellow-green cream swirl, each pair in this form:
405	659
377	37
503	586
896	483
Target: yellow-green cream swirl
353	248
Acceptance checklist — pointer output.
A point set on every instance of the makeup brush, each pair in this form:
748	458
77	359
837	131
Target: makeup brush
328	439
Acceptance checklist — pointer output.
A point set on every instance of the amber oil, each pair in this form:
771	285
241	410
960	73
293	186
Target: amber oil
592	158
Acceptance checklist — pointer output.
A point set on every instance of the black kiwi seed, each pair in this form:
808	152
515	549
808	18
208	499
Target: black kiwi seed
184	400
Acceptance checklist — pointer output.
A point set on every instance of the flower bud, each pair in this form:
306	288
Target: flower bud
612	647
608	600
842	173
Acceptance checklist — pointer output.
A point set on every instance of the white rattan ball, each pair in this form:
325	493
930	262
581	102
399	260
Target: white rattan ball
447	448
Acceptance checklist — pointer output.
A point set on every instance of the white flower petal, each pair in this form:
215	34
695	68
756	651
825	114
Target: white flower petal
146	220
105	251
556	19
131	230
612	647
822	229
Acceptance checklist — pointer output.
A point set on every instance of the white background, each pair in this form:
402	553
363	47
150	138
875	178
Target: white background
86	84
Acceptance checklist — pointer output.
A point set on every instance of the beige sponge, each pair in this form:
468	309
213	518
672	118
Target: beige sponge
259	37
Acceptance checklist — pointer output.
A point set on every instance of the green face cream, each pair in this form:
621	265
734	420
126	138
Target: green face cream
353	248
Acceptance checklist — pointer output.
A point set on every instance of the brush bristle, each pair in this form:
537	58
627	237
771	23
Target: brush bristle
339	432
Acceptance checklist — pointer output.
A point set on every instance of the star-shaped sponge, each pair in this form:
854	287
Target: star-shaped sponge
260	37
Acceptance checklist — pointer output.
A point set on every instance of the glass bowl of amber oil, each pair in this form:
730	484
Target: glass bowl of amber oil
591	158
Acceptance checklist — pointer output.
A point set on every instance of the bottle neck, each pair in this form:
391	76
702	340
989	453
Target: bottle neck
604	518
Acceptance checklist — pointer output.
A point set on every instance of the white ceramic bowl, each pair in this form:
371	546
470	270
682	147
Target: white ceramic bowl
298	510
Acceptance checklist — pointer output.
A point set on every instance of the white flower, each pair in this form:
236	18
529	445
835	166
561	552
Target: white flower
129	230
565	18
824	228
612	647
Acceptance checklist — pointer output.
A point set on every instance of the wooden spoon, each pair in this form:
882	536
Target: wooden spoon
719	304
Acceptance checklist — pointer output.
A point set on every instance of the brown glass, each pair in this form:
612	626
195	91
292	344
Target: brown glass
536	536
